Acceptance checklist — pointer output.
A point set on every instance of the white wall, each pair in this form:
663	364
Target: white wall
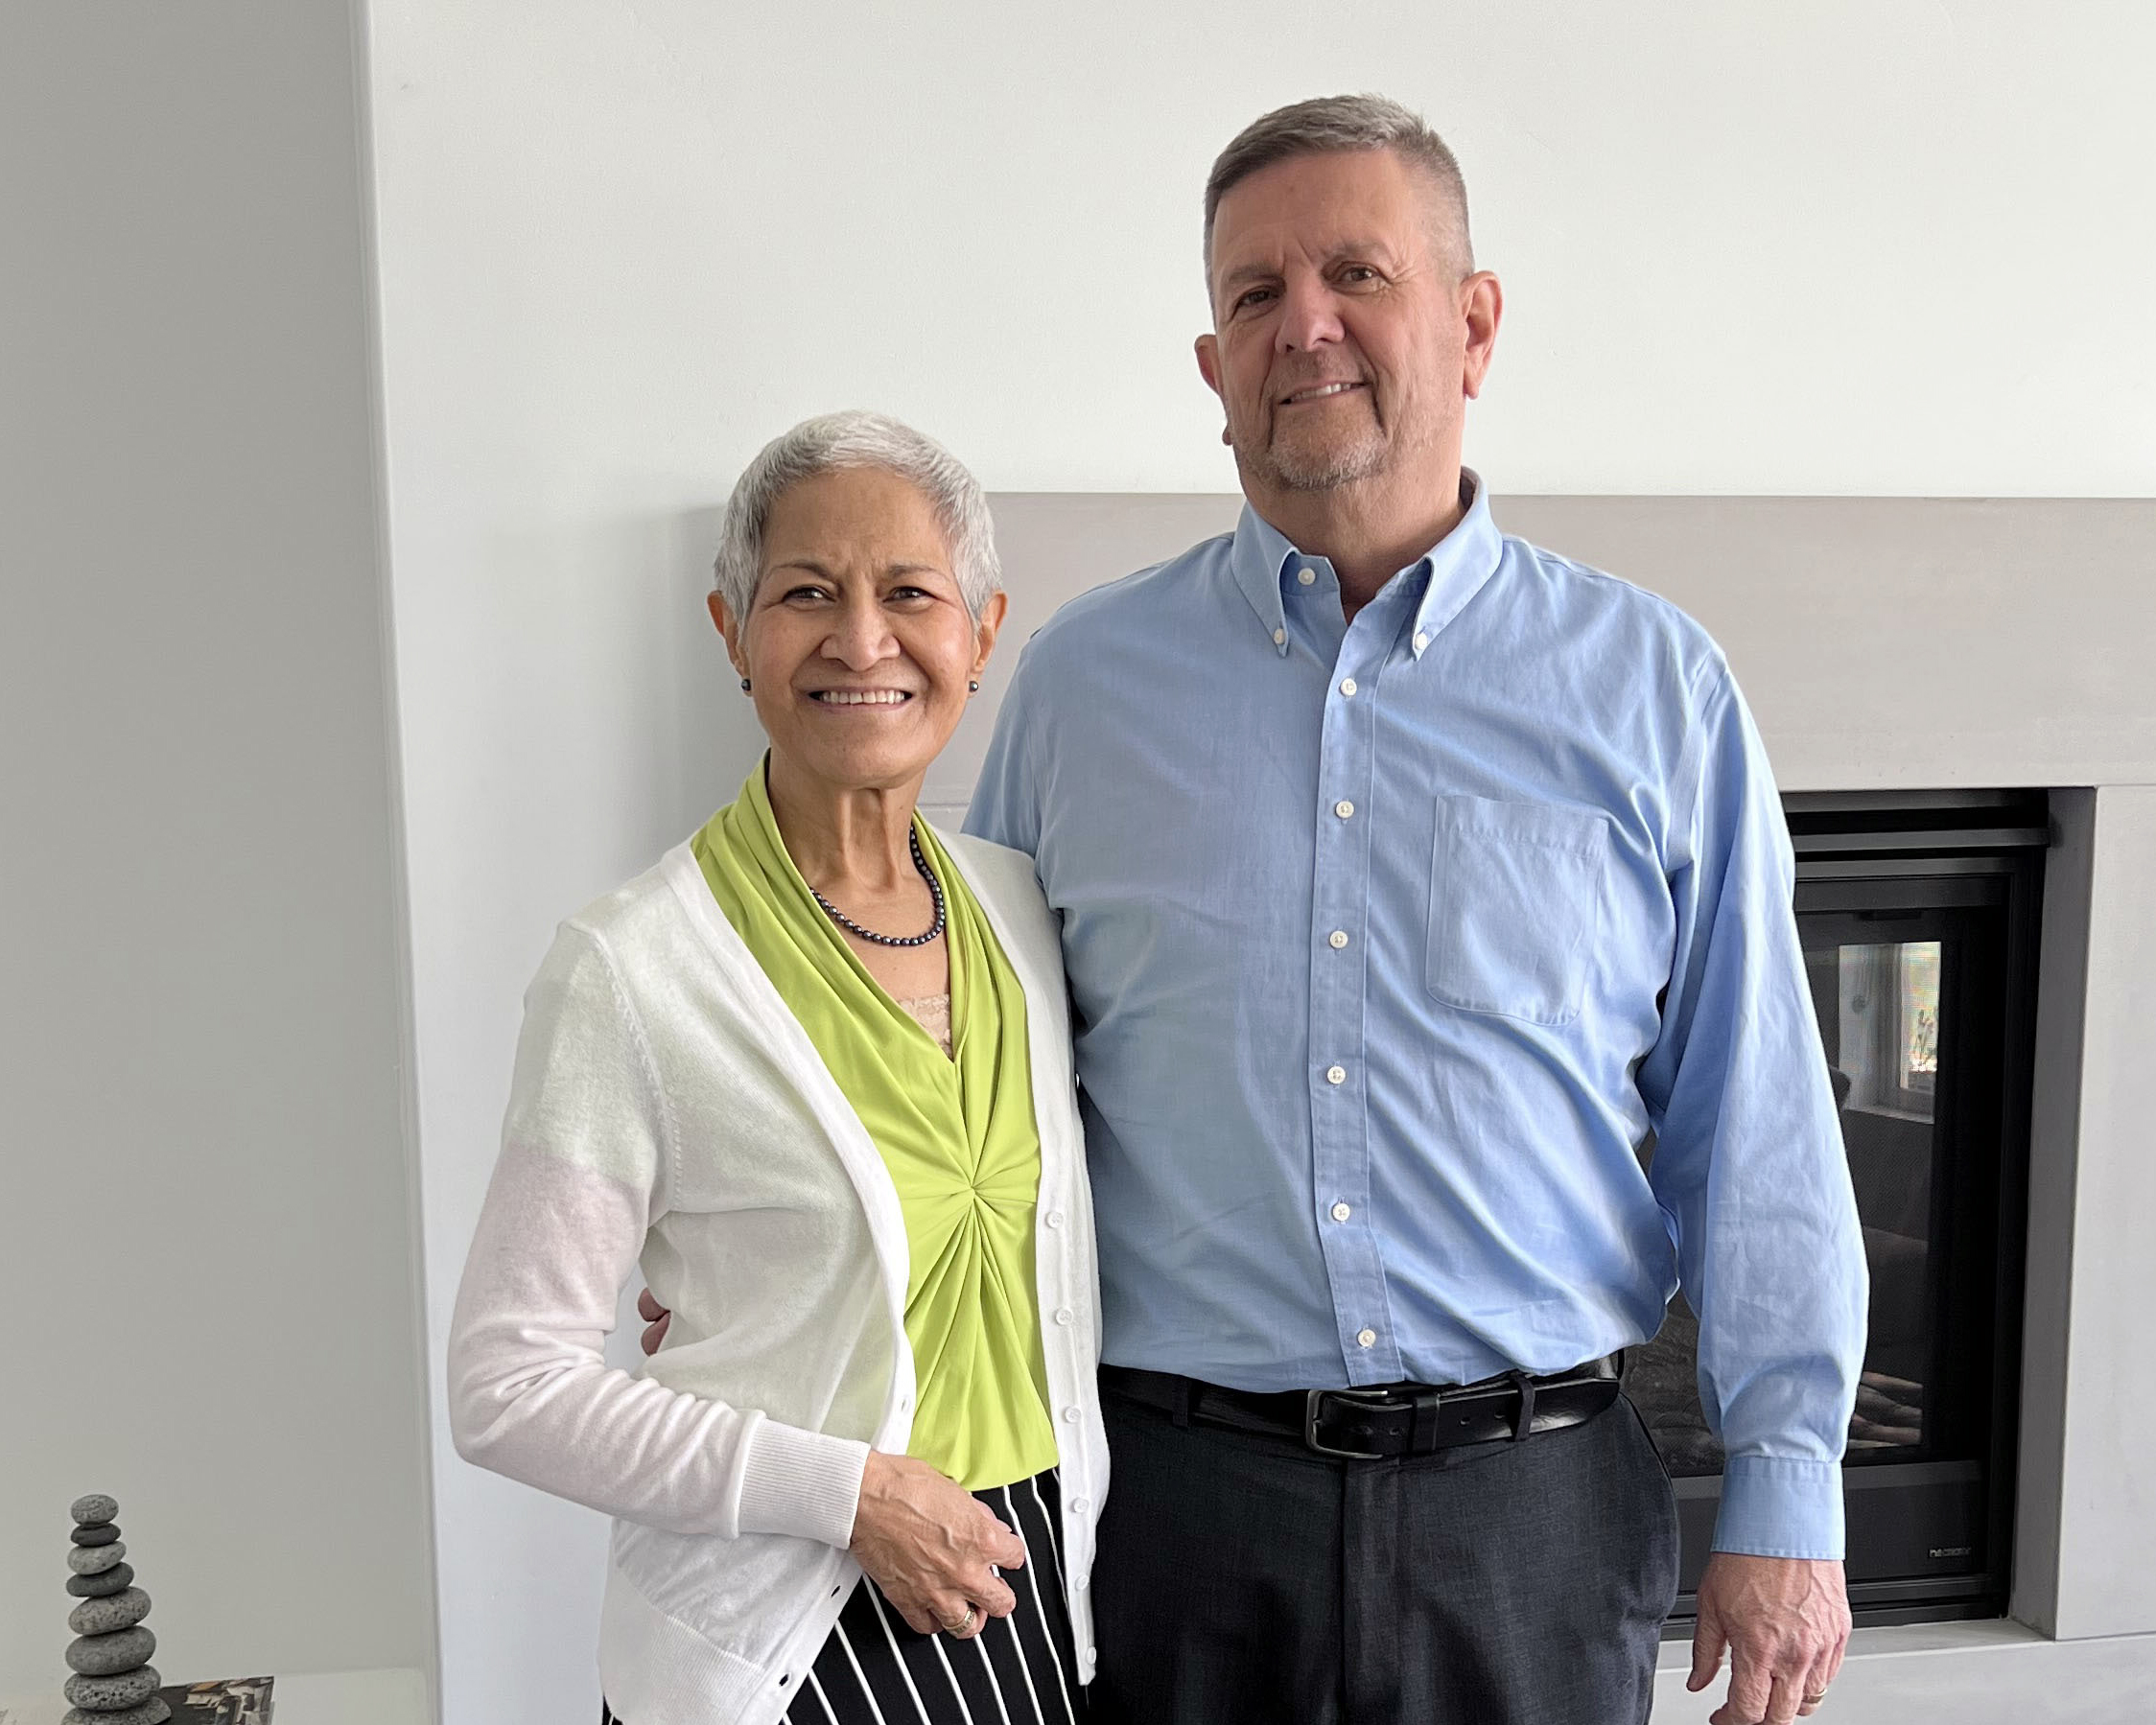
1866	247
1841	248
206	1255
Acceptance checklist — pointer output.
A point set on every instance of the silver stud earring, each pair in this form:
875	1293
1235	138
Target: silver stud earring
975	688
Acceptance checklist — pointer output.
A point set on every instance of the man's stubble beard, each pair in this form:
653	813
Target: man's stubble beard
1346	462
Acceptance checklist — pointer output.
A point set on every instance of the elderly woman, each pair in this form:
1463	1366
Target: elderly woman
813	1074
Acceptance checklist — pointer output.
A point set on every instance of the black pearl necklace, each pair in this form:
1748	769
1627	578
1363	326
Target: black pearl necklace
935	892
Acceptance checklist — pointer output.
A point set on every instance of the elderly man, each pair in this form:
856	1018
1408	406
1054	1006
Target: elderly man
1414	882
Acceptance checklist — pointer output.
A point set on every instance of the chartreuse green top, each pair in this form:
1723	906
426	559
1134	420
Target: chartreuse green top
957	1133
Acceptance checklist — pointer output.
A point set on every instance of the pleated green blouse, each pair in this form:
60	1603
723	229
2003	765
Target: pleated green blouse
956	1132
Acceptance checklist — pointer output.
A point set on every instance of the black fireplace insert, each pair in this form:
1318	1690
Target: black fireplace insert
1918	912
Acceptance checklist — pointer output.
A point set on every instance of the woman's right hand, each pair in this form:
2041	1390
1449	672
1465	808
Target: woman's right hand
932	1547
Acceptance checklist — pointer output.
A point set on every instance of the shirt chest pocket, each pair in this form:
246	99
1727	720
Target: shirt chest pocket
1516	902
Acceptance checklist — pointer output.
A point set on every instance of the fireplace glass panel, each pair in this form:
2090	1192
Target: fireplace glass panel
1883	1003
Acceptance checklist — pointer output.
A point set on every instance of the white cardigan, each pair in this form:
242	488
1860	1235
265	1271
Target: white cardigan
668	1110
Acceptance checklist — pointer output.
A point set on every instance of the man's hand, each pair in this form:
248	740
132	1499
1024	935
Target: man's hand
656	1317
932	1547
1785	1621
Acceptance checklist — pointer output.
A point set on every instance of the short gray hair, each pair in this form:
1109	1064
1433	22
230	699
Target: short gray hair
1330	124
857	439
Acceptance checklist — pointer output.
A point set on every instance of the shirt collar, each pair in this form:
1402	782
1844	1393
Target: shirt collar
1453	571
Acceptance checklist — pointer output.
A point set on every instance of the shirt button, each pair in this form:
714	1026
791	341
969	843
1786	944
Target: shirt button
1337	939
1070	1414
1341	1212
1347	685
1365	1338
1307	576
1336	1075
1421	642
1079	1505
1343	808
1066	1317
1279	638
1055	1218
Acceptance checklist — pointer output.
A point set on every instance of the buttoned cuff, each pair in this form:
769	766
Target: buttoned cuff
807	1484
1780	1506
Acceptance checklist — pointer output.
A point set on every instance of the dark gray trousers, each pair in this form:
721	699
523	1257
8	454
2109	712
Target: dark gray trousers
1242	1580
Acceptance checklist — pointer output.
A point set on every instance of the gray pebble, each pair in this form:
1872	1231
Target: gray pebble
88	1560
109	1694
101	1655
153	1711
96	1507
121	1610
96	1533
116	1579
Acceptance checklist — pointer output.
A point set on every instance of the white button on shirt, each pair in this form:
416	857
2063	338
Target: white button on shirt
1337	939
1066	1317
1336	1075
1347	685
1343	808
1365	1338
1307	576
1341	1212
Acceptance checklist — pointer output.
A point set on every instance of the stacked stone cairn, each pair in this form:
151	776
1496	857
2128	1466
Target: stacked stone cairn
114	1682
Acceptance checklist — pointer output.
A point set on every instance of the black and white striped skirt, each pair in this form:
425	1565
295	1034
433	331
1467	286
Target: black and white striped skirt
1018	1670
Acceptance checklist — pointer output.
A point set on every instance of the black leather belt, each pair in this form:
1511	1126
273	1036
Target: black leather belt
1391	1419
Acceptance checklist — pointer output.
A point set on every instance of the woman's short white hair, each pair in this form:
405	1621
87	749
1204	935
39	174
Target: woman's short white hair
857	439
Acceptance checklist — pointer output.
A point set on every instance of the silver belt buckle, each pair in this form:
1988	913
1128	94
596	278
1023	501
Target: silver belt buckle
1371	1398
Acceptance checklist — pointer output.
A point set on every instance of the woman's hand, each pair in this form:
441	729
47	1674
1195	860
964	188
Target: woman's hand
656	1317
932	1547
929	1544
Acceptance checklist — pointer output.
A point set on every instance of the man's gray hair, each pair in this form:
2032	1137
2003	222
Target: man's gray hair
857	439
1330	124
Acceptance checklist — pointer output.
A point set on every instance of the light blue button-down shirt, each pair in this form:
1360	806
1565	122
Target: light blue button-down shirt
1392	942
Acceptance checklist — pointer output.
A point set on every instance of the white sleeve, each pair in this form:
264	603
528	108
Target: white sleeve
573	1192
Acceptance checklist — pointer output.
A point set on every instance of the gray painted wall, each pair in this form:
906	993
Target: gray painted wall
206	1235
